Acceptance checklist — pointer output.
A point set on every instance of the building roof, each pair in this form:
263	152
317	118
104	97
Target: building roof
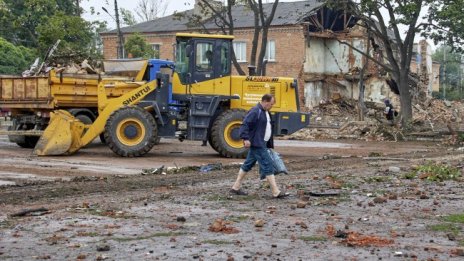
287	13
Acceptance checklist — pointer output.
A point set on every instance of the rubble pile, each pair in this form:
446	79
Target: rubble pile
339	120
438	116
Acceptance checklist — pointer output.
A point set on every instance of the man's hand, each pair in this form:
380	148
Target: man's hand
246	143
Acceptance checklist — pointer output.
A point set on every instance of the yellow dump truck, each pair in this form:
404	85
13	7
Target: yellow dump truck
28	101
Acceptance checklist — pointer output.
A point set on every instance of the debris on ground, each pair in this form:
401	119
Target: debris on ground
355	239
31	212
219	225
338	119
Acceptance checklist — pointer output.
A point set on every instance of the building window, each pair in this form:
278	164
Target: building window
240	51
270	51
156	50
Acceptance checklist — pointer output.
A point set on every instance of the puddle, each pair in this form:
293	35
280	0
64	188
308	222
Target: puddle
312	144
6	183
22	176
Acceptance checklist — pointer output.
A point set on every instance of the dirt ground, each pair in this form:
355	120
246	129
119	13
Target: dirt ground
350	200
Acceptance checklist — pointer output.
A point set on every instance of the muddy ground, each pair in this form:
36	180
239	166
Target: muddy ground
350	200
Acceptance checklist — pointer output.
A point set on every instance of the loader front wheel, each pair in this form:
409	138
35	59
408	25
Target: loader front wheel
131	132
225	137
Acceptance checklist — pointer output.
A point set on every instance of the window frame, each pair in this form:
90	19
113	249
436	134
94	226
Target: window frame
270	51
154	49
243	51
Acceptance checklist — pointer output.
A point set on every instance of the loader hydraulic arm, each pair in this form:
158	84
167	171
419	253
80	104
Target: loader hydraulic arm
66	135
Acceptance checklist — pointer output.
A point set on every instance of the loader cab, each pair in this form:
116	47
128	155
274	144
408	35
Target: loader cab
201	58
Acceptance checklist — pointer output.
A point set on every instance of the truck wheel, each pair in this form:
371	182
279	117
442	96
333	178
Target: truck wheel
225	138
27	142
131	132
84	119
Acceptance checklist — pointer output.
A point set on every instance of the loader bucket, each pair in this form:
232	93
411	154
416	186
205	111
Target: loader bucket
62	133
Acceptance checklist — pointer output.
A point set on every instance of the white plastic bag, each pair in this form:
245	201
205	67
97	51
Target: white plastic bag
277	162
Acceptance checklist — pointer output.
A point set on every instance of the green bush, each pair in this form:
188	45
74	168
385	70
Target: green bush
14	59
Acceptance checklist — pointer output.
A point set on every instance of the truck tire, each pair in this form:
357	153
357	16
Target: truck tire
131	132
87	121
84	119
27	142
224	134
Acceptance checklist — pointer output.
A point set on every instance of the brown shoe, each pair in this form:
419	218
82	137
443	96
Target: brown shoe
239	192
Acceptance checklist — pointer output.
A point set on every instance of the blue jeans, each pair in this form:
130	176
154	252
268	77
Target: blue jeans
261	155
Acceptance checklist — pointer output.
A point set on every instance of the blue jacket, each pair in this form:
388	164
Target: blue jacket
253	128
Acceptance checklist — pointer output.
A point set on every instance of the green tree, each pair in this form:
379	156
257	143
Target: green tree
450	72
445	23
137	47
75	34
14	59
127	17
20	18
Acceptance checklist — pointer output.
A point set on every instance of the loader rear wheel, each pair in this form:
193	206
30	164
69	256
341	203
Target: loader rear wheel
225	137
131	132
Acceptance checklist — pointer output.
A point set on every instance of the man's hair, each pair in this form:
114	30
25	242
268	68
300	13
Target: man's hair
267	97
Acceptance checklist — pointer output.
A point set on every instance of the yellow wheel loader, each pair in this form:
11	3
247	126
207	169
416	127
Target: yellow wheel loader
195	98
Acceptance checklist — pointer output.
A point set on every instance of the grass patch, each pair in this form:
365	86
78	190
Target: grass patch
375	154
217	242
231	197
348	185
437	172
445	227
313	238
455	218
87	234
237	218
377	179
409	175
160	234
7	224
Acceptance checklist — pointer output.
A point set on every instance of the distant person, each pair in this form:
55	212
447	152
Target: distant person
389	112
256	132
209	56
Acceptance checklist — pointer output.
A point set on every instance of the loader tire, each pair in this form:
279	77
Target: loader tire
131	132
224	134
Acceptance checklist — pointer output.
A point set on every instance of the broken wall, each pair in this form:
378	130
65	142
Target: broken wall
331	69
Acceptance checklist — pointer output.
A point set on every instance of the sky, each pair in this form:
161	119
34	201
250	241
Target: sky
174	5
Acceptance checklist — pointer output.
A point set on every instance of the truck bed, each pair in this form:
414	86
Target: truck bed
56	90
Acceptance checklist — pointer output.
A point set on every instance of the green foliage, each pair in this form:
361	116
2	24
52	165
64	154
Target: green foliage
445	227
451	75
74	32
455	218
446	16
410	175
438	172
127	17
137	47
14	59
19	19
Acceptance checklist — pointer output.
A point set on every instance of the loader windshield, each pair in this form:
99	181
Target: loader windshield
182	61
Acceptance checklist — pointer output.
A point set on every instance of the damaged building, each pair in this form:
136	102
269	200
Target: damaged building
305	41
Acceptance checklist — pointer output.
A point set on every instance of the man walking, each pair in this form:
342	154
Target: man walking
256	132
